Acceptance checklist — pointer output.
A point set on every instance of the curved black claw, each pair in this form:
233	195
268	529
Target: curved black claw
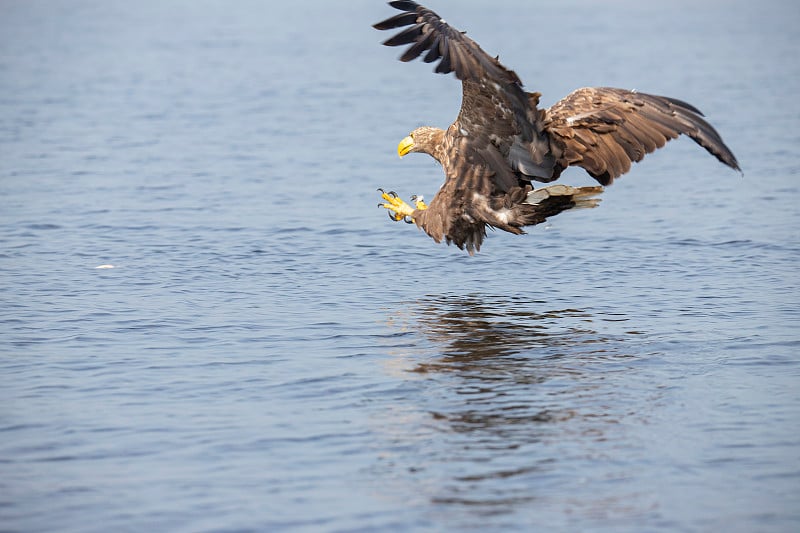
408	220
392	216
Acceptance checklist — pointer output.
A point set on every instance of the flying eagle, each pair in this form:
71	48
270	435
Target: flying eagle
501	141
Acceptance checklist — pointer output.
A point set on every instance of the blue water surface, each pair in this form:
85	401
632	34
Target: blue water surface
269	352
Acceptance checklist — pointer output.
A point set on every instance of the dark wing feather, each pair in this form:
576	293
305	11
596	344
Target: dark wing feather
397	21
407	36
604	130
423	43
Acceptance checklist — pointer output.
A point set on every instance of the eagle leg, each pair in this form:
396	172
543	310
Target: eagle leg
398	209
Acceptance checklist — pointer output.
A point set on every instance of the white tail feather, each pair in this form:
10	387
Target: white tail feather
583	197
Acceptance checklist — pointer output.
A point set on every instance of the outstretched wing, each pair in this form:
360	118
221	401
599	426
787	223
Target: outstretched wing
494	109
604	130
452	48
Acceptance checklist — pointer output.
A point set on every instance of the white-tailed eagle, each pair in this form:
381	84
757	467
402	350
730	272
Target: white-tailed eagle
501	141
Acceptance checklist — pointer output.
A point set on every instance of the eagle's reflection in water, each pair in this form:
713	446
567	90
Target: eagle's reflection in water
506	390
488	333
476	331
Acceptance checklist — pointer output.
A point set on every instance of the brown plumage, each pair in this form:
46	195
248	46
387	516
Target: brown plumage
501	141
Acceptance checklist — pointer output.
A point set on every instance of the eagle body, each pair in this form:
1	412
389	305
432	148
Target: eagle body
501	142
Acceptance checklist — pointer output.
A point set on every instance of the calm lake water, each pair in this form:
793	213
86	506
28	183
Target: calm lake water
270	352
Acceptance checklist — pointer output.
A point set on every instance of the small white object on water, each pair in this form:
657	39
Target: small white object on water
104	266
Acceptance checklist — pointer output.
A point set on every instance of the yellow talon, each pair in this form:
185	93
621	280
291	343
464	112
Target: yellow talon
398	209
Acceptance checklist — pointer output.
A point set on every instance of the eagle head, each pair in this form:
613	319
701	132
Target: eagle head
424	139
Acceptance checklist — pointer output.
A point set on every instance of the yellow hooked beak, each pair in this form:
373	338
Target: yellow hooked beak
405	146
